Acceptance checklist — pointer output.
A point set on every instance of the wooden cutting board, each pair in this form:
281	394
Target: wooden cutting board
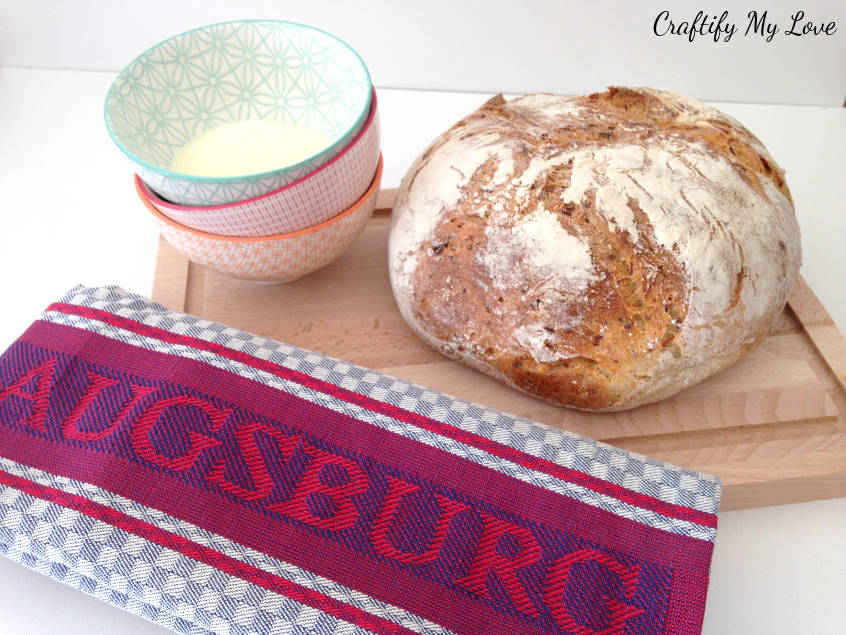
773	426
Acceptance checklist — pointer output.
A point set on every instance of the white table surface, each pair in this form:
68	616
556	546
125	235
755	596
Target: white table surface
69	215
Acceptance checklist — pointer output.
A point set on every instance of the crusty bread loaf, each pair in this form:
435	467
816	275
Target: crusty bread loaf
599	252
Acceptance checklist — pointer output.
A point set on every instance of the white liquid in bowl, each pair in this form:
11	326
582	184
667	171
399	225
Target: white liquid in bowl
247	147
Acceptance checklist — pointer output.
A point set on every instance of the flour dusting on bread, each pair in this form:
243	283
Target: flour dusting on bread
535	249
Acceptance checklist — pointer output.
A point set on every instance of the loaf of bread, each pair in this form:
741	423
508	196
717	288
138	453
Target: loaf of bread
598	252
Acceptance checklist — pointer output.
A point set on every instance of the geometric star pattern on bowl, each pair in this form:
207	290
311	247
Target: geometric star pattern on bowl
233	71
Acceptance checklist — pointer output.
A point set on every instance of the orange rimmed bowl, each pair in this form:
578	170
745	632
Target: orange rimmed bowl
279	258
313	199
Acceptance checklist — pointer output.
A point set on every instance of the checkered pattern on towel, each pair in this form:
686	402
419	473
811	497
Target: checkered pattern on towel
215	481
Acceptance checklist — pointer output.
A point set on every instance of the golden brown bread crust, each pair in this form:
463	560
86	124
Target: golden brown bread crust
732	140
597	323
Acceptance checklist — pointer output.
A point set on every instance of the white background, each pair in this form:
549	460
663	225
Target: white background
68	211
470	45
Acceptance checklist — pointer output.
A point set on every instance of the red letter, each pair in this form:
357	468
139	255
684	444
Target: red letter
96	385
39	398
379	535
140	435
245	437
556	582
345	513
489	559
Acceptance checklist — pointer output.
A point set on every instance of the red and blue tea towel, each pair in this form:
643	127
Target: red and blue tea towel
214	481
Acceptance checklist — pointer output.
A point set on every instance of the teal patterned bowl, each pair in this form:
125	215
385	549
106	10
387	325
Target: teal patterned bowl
233	71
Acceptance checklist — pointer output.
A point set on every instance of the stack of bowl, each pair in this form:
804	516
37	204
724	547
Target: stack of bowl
294	215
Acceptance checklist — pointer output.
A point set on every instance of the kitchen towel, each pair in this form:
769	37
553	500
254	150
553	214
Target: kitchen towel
212	480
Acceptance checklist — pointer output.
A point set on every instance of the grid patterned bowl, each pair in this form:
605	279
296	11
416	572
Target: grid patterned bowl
280	258
313	199
232	71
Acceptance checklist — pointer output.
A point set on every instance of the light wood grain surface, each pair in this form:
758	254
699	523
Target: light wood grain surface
773	426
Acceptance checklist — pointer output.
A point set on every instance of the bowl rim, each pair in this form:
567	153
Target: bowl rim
142	191
241	177
153	196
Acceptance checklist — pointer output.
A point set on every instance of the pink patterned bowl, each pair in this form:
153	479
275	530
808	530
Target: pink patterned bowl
279	258
309	201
